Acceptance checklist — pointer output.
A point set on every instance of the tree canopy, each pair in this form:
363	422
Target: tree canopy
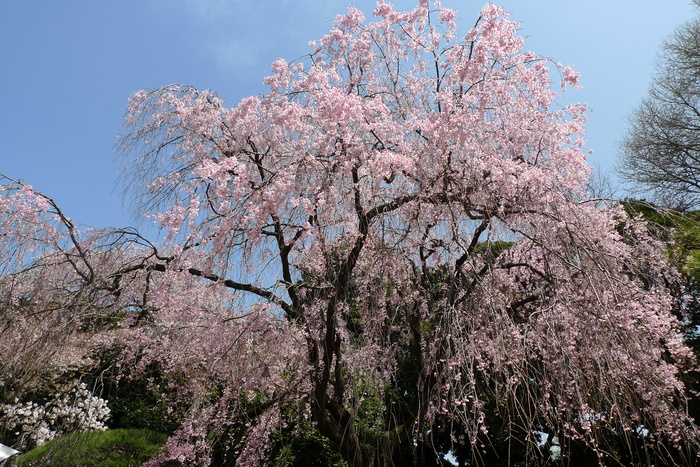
391	252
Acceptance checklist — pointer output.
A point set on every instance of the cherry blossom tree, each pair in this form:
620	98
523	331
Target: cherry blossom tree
394	246
38	336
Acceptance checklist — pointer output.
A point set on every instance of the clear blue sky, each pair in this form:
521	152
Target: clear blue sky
67	68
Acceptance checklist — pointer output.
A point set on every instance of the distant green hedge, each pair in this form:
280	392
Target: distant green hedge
111	448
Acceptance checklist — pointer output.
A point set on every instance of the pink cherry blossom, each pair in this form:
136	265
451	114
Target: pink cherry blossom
400	195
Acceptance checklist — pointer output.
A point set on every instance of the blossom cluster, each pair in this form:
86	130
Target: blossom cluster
74	410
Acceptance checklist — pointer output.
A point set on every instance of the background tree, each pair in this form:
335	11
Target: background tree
661	152
393	246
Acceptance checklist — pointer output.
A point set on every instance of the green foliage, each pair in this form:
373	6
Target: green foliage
299	444
681	230
371	410
495	248
111	448
136	405
139	401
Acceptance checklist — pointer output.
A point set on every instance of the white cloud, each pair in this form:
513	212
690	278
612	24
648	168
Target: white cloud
239	34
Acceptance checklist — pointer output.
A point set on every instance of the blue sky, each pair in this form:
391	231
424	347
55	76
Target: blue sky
68	67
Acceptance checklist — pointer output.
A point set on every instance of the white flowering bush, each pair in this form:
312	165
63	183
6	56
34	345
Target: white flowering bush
76	409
